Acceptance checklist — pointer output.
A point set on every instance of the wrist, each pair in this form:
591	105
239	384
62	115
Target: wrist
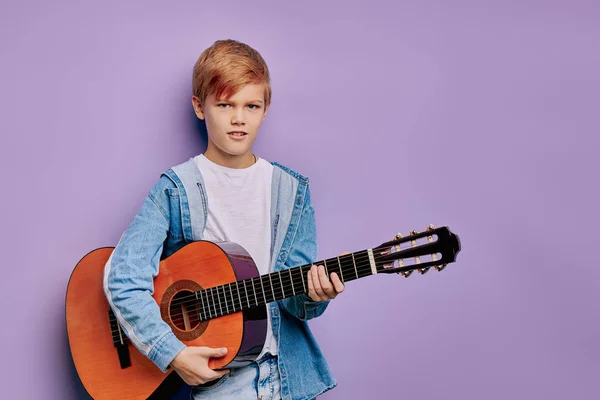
176	360
310	299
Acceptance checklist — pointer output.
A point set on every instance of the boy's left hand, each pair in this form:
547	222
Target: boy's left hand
320	288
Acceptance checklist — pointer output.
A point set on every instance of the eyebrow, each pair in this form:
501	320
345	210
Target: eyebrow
250	101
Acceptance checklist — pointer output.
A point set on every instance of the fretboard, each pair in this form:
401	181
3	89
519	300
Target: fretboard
241	295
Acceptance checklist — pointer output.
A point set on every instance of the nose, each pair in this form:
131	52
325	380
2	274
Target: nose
237	117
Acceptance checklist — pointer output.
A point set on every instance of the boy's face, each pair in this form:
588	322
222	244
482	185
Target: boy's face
233	123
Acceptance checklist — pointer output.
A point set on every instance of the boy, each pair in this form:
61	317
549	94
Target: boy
228	194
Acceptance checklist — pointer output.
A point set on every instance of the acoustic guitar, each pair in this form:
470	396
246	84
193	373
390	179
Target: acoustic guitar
211	294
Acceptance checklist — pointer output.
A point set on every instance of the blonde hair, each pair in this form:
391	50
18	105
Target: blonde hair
225	67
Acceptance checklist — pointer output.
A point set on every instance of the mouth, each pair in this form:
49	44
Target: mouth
237	133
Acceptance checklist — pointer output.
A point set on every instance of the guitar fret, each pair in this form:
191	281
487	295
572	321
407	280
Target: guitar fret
272	288
219	300
341	272
237	287
263	289
201	305
281	283
227	298
302	276
213	299
354	262
254	290
247	297
292	282
325	264
207	303
232	297
226	302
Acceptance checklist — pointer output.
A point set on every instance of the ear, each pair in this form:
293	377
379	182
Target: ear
198	107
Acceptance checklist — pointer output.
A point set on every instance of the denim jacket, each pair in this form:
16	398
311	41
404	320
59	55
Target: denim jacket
174	214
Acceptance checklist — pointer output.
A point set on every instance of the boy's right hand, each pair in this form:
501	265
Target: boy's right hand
192	364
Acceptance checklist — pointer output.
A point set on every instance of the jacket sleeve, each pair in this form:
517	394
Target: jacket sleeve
302	252
129	279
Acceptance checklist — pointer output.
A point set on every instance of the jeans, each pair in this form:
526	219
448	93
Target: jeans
259	380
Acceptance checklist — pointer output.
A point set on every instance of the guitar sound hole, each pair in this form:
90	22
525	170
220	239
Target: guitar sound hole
184	311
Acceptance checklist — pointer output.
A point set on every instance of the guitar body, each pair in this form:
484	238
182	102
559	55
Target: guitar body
108	364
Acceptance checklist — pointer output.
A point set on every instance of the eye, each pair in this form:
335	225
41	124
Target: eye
254	106
222	105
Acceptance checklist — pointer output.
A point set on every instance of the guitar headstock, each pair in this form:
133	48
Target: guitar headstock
420	251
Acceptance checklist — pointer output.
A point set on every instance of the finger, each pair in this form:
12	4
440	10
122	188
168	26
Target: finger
212	375
317	284
219	373
325	283
338	285
212	352
311	286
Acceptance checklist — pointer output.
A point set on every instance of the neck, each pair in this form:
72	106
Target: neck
227	160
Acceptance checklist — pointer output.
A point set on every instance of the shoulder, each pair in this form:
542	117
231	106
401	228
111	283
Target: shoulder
172	179
163	189
294	174
294	186
165	185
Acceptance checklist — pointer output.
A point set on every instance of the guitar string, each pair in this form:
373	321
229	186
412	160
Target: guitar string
350	261
227	304
265	288
228	300
202	311
267	293
348	264
215	303
363	269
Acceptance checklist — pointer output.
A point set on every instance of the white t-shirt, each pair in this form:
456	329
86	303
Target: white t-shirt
239	210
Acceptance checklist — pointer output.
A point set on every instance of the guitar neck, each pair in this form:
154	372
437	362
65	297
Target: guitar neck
241	295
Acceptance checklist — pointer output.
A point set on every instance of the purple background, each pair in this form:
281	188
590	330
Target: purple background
482	116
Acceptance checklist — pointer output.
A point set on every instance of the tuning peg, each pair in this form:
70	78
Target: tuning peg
398	236
440	267
397	247
430	227
406	274
430	240
423	271
414	244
